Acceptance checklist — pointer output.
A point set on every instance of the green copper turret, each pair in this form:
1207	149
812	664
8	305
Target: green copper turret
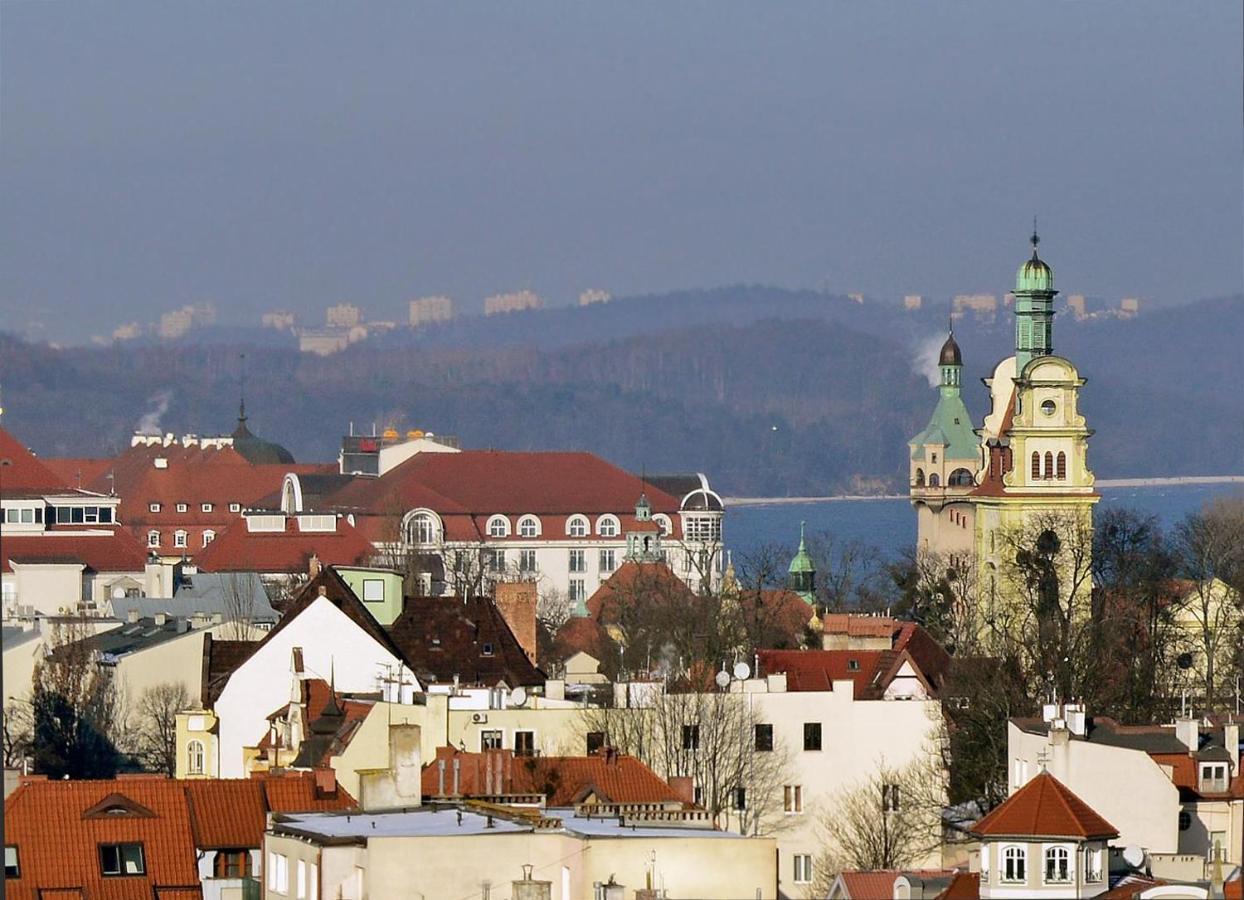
1034	309
802	571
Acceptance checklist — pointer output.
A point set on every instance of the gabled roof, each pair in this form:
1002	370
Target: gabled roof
1044	807
610	777
241	550
817	670
22	475
632	579
232	812
220	658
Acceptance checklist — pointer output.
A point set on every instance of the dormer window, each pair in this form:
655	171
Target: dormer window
235	507
179	539
183	507
529	527
577	527
207	507
154	507
853	665
498	527
607	526
1213	778
153	539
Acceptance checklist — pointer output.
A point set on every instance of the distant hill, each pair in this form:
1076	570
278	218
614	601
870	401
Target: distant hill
769	391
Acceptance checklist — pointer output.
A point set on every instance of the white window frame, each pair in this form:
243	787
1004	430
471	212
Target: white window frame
153	538
183	507
792	799
529	526
235	507
608	526
154	507
1057	852
1021	856
207	507
608	561
300	880
577	590
498	527
667	526
1092	865
208	536
803	868
415	533
523	556
578	526
181	538
196	757
576	561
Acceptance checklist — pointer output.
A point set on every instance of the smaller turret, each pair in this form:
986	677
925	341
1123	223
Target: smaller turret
802	571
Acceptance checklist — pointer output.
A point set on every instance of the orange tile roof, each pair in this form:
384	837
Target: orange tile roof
964	886
564	780
22	475
290	551
104	551
1044	807
817	670
57	826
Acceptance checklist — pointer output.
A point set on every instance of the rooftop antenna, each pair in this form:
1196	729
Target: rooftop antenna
242	389
1036	239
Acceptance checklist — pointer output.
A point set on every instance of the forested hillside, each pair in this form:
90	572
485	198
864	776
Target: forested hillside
769	391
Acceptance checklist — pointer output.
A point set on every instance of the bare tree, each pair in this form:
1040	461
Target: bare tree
156	729
939	592
883	821
239	603
18	732
1210	548
710	737
554	608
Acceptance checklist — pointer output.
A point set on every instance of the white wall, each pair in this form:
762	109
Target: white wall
331	644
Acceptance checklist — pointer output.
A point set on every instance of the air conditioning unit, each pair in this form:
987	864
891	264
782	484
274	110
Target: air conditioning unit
479	718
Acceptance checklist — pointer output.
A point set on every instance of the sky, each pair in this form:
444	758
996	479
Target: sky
292	155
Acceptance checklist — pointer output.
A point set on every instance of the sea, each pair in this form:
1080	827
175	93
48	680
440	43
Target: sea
888	524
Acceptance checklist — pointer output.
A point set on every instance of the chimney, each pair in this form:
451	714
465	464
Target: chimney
325	782
683	787
1077	721
457	765
1231	740
440	778
1188	731
516	601
314	566
161	619
131	615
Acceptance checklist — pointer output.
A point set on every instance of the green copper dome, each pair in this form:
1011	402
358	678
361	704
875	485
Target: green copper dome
802	561
1034	274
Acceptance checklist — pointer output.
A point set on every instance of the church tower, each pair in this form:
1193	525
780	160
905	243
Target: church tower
944	459
801	574
1034	441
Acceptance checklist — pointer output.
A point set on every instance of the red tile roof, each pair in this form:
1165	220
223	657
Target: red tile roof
22	475
1044	807
964	886
879	883
816	670
58	825
854	625
98	551
563	780
240	550
633	580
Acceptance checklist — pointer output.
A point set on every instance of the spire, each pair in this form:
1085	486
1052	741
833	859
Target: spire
802	570
1034	307
1036	238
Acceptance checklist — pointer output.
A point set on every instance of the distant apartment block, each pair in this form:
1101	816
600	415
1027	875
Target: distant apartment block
177	322
512	302
278	319
327	341
913	302
343	315
857	297
127	332
594	295
424	310
982	306
1075	303
1129	307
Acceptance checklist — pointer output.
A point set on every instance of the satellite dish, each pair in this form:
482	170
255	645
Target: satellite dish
518	696
723	679
742	671
1134	856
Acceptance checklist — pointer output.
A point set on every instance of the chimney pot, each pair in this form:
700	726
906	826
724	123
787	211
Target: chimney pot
132	615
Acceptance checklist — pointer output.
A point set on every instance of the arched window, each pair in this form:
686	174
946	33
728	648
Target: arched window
1015	864
529	527
1057	865
421	529
709	534
208	537
919	477
1062	466
607	526
577	526
1049	465
196	758
498	527
934	481
960	478
1036	466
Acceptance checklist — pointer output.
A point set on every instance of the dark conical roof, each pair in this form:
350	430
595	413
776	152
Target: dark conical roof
256	450
950	355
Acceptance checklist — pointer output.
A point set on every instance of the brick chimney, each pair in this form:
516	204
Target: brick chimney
325	782
516	601
684	787
314	566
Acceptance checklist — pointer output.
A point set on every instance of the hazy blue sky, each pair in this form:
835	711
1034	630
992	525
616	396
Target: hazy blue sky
267	155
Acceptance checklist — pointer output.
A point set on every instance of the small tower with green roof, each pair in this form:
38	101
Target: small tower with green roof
801	574
1034	308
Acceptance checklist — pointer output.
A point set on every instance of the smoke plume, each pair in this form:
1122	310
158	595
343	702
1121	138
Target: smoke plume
158	406
924	361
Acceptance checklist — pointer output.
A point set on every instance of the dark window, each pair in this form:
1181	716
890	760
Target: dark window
764	737
812	735
1036	466
1062	466
232	864
524	743
11	868
691	737
122	859
490	740
853	665
488	649
1185	820
595	741
1049	465
960	478
935	480
740	798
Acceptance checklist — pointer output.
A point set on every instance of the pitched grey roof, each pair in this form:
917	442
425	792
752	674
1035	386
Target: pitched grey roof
228	594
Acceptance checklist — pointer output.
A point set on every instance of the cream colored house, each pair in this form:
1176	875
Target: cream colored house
476	850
